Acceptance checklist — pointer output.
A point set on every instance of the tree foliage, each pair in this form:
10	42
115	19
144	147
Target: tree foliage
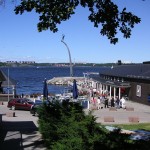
103	13
66	127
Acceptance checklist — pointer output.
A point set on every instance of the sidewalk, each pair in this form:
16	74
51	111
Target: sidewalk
19	132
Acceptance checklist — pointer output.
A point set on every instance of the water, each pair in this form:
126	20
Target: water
30	79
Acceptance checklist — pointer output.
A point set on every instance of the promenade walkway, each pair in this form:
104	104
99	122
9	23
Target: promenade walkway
122	116
21	132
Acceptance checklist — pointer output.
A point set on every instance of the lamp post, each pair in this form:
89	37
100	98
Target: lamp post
71	70
8	83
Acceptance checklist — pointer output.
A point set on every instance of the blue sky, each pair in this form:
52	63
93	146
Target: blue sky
20	39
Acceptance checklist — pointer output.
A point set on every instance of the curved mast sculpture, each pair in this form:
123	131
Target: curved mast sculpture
71	70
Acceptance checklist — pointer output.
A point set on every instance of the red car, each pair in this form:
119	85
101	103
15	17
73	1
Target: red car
20	103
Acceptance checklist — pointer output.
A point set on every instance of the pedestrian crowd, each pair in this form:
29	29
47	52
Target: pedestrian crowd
106	102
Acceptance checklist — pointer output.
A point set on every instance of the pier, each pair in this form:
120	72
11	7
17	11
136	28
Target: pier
82	83
64	80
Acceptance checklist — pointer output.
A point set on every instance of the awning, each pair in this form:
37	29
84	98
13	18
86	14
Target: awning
111	82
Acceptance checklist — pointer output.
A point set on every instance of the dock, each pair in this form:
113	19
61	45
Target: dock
64	80
81	82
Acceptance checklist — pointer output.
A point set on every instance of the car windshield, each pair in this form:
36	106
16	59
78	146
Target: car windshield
28	101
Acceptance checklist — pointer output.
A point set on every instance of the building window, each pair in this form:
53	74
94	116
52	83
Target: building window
138	90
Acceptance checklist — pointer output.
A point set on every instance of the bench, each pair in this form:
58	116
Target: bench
109	119
10	114
134	119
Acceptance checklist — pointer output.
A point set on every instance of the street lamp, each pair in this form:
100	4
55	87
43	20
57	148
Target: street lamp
8	83
71	70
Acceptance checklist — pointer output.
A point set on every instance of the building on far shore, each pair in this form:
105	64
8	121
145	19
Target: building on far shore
131	80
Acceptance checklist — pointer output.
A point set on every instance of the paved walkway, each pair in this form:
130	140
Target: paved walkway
121	116
21	132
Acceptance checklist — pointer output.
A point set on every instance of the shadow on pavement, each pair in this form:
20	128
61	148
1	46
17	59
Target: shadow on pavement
19	135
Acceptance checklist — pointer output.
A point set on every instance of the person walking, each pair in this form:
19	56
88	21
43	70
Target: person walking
112	101
106	102
117	102
122	101
94	101
98	103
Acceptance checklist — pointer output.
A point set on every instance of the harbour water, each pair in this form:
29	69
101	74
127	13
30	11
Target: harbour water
30	79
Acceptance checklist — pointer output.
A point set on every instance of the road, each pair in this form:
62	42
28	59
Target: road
19	132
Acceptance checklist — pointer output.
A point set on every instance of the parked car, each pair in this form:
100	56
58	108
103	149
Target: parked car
20	103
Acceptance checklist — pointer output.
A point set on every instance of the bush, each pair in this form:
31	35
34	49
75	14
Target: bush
66	127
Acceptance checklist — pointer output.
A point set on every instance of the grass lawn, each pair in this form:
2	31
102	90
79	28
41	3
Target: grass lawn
139	126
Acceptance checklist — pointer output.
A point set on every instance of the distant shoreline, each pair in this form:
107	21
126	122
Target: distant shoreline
5	64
